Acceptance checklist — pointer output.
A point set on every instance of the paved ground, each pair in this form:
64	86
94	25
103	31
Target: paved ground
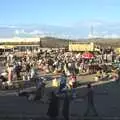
107	103
106	99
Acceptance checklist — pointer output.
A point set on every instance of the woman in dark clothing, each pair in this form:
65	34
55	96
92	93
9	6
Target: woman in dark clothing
28	67
40	92
53	109
66	107
91	104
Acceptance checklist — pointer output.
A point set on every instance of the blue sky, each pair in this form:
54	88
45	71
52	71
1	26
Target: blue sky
62	13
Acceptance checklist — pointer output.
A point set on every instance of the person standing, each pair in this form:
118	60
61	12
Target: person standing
40	90
66	107
118	77
10	74
91	104
27	67
53	109
63	81
73	85
17	71
32	72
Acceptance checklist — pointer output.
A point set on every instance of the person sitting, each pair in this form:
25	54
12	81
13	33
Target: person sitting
55	71
3	81
98	75
3	76
104	75
47	69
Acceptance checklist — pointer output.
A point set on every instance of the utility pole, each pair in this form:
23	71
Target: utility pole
91	32
40	43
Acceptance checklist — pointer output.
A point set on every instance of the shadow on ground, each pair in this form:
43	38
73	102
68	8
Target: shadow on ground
107	103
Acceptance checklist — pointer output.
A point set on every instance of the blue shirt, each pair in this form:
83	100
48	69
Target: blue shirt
63	80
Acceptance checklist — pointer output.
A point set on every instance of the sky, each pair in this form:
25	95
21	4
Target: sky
61	14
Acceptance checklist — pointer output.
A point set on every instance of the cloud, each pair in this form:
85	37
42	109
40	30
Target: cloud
94	24
22	32
8	26
11	26
17	32
88	23
35	32
78	30
111	36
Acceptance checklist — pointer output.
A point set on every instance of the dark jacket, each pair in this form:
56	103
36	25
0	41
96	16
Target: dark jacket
66	107
53	109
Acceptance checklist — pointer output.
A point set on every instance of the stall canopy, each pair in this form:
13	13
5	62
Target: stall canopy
87	55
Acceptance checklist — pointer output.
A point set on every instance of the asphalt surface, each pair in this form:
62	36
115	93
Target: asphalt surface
107	102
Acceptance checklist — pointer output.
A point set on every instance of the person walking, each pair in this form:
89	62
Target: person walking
53	109
91	104
118	77
66	107
40	90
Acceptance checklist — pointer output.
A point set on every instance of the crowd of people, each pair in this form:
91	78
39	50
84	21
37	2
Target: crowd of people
66	66
57	61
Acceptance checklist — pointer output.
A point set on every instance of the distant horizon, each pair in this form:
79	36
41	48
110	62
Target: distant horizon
105	30
55	37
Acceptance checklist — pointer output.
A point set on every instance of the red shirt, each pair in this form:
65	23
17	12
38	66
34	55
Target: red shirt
73	78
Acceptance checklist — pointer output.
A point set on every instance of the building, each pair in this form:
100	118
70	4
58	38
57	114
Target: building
18	40
21	44
75	46
80	47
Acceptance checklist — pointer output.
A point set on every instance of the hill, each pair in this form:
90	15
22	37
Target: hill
107	42
50	42
60	43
